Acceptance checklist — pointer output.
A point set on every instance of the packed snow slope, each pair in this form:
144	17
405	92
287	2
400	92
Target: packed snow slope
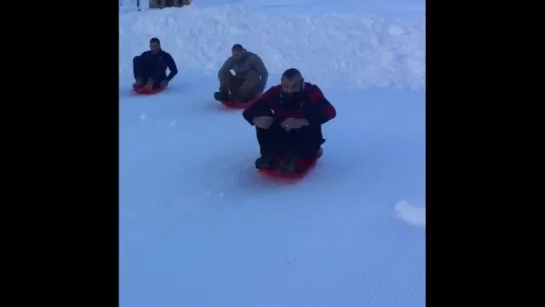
407	9
333	48
199	227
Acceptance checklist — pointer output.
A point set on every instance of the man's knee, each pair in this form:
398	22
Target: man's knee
274	131
305	140
225	80
262	84
254	76
157	73
138	61
140	65
249	87
252	81
139	68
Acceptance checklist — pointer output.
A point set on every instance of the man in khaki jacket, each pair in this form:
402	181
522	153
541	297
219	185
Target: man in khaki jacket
242	77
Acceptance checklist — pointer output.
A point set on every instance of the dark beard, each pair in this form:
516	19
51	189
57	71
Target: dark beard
290	99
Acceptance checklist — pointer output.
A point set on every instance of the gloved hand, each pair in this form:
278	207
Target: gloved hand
294	123
263	122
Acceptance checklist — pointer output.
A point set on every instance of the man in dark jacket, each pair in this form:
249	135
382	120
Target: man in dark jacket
288	119
150	67
242	77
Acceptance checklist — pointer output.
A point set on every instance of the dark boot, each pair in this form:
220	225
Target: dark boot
265	162
288	164
221	96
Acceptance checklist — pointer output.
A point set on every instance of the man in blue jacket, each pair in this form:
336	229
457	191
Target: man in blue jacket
150	67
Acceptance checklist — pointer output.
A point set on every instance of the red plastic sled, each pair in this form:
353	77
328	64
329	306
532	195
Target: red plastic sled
143	91
235	105
302	168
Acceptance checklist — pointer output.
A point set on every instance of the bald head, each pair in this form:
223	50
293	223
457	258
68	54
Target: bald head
291	81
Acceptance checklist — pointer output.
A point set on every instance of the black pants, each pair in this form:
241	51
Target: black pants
304	142
145	68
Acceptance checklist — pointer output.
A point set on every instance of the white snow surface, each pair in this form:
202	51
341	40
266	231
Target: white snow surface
411	214
331	48
199	227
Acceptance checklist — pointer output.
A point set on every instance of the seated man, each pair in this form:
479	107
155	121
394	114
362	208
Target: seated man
242	77
288	119
150	68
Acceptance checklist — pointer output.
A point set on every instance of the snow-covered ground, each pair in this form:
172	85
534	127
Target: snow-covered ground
331	48
198	227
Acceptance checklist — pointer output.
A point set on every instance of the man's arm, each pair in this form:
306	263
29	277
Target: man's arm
171	64
261	106
225	67
321	110
257	63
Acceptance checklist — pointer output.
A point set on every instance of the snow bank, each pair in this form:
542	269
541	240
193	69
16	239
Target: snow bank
330	49
129	5
411	214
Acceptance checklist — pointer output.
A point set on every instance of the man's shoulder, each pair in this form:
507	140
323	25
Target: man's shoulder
252	55
165	54
275	89
310	87
313	92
